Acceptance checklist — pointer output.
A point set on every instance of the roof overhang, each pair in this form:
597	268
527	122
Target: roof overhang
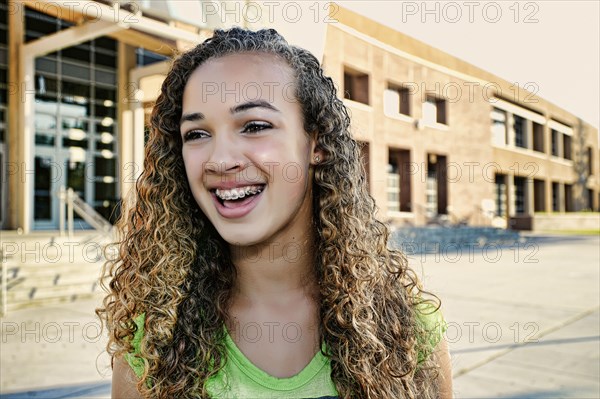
130	26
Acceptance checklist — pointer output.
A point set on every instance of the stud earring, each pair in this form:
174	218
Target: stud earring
317	159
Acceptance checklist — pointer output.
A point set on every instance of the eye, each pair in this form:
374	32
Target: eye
194	135
255	127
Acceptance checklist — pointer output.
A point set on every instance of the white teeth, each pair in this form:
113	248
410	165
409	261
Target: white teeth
239	192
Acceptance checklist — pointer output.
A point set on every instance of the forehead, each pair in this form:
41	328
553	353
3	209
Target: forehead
243	77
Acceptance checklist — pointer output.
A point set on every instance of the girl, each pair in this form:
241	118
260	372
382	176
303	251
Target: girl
252	264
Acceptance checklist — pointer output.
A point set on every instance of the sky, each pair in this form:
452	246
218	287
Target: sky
553	46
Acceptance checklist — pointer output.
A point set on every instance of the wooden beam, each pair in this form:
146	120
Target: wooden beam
69	37
128	36
148	42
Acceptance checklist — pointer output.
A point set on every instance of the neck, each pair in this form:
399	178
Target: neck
276	272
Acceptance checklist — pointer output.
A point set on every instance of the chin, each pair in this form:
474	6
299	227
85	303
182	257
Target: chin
239	237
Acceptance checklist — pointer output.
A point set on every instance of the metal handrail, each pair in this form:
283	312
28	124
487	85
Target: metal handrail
75	203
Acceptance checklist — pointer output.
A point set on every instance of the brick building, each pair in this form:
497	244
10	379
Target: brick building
445	142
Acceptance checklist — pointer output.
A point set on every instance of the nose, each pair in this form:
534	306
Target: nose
226	155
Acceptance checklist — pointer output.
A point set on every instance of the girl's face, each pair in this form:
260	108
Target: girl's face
246	154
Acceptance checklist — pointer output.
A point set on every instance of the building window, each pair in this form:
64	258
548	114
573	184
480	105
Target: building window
520	131
436	189
75	122
538	137
567	147
434	111
590	161
590	199
539	195
431	193
396	100
398	181
500	182
569	205
499	131
519	184
555	139
356	86
393	187
147	57
555	197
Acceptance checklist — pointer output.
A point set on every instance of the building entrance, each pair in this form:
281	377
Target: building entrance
63	158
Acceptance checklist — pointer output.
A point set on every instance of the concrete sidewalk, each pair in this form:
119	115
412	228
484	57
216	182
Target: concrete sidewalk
54	352
523	320
523	323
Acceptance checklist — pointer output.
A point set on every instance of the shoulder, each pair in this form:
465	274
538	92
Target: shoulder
133	358
431	325
430	316
124	381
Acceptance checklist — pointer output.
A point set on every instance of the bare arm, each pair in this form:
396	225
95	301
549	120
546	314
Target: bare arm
442	355
124	381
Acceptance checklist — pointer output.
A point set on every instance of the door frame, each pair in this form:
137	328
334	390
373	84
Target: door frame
56	180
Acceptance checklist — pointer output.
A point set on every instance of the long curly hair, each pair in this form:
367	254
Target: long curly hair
173	265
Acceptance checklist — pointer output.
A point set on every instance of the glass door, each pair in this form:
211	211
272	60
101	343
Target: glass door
76	155
46	168
53	170
61	159
47	181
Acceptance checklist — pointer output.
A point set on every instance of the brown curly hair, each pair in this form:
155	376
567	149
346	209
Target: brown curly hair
173	265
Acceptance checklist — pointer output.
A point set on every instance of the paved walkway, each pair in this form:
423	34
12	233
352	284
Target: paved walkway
54	352
523	323
523	320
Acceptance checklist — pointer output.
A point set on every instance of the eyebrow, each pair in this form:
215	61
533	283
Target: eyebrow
253	104
196	116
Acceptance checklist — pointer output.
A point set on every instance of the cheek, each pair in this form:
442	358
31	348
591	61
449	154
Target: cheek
193	167
265	150
278	152
293	172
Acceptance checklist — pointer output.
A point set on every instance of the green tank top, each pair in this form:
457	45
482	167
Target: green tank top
240	378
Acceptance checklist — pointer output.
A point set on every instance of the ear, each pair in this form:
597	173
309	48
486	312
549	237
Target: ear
317	155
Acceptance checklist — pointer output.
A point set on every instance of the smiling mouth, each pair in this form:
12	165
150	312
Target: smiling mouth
238	196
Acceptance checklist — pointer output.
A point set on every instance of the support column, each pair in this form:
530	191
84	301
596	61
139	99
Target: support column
27	118
137	110
419	194
510	194
21	135
126	92
16	26
561	197
547	137
510	126
560	144
529	196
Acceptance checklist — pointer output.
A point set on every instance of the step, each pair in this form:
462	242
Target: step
58	280
11	306
53	292
51	270
17	256
14	235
